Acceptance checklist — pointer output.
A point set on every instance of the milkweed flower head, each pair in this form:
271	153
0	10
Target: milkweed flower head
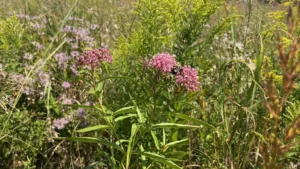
61	123
94	57
188	77
163	62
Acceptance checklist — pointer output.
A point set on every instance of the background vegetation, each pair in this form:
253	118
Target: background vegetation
58	110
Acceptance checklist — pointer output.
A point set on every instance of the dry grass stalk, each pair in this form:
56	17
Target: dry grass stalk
275	146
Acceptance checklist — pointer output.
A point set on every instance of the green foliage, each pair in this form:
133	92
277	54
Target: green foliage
11	41
127	114
11	32
25	140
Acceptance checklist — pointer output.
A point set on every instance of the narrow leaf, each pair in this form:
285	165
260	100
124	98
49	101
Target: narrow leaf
173	125
194	120
93	128
120	118
124	110
88	140
134	129
156	142
141	116
176	142
159	158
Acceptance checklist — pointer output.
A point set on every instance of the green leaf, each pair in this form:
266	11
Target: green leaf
173	125
176	154
99	87
176	142
134	130
144	162
194	120
89	140
112	162
159	158
156	142
124	110
93	128
92	91
124	117
141	116
164	136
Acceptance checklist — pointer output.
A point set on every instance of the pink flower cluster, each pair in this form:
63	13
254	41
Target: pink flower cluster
188	78
163	62
61	123
94	57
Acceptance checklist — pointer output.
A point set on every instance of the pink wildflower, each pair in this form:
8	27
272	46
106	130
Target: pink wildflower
66	85
188	78
61	123
163	62
94	57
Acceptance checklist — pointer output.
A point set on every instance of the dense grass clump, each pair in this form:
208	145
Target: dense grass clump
149	84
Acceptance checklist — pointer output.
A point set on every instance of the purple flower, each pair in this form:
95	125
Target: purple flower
62	59
66	85
66	101
44	78
75	53
82	33
17	78
68	28
84	123
188	77
81	112
94	58
37	45
61	123
94	26
163	62
28	56
74	70
75	46
36	26
23	16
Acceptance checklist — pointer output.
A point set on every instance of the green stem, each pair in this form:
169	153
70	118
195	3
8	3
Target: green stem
155	96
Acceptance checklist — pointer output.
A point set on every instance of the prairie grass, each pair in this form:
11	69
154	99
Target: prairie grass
149	84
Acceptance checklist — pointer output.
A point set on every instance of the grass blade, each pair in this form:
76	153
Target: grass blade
194	120
173	125
93	128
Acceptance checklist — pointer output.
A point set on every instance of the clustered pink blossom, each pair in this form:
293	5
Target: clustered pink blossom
163	62
94	57
61	123
188	78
